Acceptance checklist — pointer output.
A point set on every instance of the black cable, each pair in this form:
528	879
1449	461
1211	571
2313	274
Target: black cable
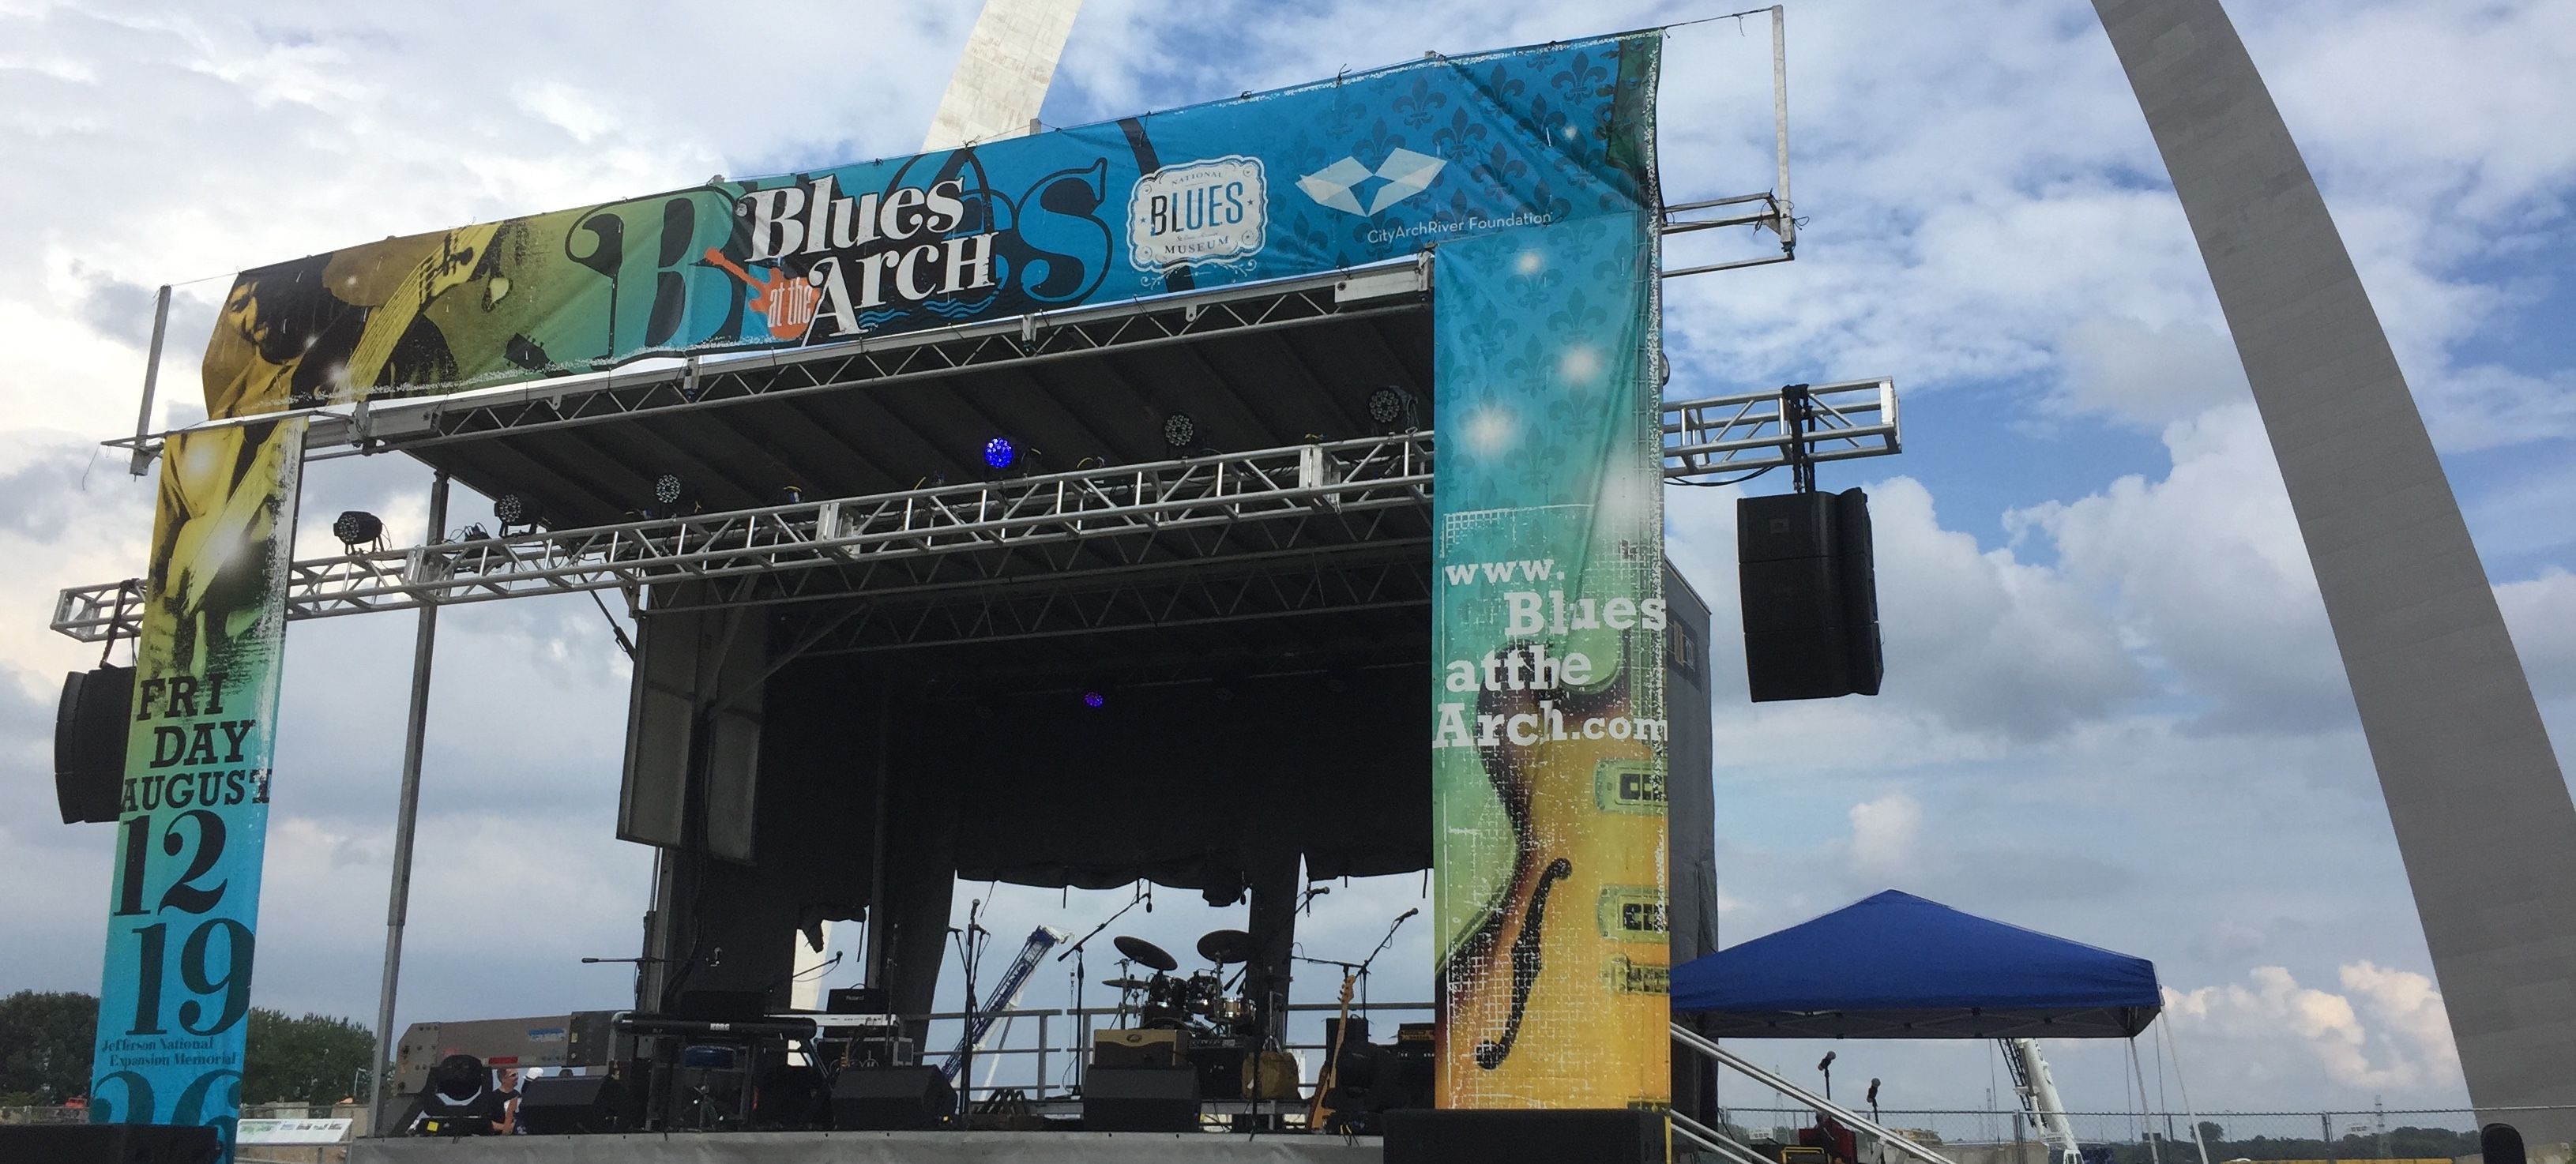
1719	484
623	643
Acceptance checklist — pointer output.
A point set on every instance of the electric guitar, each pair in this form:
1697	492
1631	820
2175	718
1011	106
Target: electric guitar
1329	1077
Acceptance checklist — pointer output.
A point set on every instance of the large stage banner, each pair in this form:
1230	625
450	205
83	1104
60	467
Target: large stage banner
1366	167
184	911
1548	731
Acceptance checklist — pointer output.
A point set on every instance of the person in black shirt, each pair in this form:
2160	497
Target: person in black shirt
461	1101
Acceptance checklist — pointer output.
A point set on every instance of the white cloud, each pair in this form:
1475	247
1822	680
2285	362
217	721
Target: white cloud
2209	573
2397	1037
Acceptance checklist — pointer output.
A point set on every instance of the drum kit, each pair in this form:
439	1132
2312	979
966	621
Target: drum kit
1199	1002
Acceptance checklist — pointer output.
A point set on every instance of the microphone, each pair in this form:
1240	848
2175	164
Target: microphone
1873	1093
1828	1061
1399	918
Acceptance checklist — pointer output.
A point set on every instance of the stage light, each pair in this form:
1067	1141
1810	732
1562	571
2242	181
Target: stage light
357	527
1180	431
999	453
672	494
791	495
1093	699
1390	405
514	508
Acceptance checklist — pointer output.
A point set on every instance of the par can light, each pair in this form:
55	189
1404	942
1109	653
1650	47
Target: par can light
1180	431
357	527
999	453
514	508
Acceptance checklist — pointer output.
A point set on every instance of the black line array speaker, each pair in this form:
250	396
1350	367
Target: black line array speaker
109	1143
1810	595
89	743
1140	1099
562	1105
891	1099
1548	1136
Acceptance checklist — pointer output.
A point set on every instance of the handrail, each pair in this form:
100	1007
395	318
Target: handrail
1709	1048
1714	1140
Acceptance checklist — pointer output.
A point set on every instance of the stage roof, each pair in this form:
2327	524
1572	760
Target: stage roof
1262	367
1896	966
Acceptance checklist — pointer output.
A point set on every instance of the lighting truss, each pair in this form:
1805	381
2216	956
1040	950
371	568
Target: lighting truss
1106	520
1056	553
1750	431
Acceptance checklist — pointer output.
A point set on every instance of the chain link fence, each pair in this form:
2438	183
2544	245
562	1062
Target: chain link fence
2131	1137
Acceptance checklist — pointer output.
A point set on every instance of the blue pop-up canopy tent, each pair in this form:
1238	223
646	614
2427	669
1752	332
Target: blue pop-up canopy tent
1895	966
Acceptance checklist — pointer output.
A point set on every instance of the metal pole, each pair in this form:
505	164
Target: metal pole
151	380
398	906
877	950
1780	121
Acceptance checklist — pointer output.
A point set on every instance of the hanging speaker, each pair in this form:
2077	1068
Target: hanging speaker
89	743
1810	596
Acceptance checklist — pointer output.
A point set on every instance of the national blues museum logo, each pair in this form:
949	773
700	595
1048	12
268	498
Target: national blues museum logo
1200	213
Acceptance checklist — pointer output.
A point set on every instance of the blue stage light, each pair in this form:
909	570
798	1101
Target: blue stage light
998	452
1093	699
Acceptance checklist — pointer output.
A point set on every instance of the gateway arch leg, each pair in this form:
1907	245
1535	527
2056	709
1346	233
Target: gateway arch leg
2482	815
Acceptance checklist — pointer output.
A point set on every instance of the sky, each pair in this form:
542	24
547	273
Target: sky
2112	711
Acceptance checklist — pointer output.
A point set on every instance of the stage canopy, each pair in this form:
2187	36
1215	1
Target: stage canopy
1895	966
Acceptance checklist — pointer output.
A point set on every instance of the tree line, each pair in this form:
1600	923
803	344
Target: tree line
46	1038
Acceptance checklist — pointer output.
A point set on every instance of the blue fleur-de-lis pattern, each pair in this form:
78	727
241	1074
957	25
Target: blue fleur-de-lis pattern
1360	169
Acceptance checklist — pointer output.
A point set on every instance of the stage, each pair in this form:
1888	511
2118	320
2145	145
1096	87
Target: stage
871	1147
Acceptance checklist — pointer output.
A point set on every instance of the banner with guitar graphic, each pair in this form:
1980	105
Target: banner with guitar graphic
1366	167
1548	729
175	992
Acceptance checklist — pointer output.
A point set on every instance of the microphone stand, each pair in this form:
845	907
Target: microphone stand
1083	1021
970	951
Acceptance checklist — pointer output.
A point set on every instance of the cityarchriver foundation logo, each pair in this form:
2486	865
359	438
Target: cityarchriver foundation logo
1341	185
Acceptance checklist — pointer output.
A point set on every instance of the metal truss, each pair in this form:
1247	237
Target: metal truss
1050	554
712	382
1749	432
1108	520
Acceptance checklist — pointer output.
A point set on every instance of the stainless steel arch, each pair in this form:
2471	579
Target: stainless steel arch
2482	814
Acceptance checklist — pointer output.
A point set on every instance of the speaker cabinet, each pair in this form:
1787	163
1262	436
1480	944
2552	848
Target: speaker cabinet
1140	1099
1462	1136
110	1143
1810	596
563	1105
89	743
891	1099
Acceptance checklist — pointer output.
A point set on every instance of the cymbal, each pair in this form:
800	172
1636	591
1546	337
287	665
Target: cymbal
1146	954
1126	983
1226	947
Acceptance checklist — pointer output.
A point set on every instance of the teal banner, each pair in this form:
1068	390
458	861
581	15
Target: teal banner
1548	728
1368	166
183	915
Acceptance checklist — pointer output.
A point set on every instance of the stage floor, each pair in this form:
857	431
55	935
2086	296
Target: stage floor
876	1147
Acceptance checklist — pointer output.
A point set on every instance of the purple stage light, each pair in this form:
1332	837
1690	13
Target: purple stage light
998	452
1093	699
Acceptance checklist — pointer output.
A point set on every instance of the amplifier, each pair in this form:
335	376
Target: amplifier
1140	1099
883	1051
1140	1048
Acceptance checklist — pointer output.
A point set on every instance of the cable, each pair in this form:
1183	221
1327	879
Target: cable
623	643
1720	484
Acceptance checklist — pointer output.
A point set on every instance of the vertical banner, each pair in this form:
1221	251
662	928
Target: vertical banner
175	994
1548	730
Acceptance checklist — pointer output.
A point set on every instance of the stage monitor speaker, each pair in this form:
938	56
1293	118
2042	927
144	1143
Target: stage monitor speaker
563	1105
1549	1136
89	743
1140	1099
1810	596
110	1143
891	1099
